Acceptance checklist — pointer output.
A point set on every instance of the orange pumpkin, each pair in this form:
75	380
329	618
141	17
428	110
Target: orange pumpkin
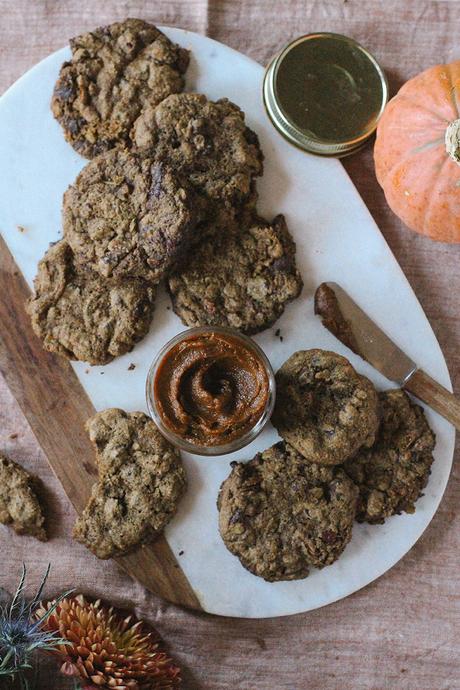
417	153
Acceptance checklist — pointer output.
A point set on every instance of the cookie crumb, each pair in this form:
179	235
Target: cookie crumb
168	308
181	553
21	228
102	372
281	338
277	333
131	367
86	371
13	436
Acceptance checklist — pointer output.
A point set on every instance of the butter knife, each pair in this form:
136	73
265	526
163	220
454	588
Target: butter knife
355	329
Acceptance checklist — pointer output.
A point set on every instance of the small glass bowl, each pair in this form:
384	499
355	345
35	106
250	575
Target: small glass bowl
236	443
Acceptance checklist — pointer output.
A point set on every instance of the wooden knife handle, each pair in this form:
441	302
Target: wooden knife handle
436	396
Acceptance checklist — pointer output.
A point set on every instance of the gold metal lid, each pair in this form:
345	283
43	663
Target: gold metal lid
325	93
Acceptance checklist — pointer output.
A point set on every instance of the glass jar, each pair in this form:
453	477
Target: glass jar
171	363
325	93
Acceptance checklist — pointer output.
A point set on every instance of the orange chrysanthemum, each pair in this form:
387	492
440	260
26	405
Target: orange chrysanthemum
107	650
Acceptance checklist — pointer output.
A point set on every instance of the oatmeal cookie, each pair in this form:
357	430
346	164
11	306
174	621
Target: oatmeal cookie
281	515
114	73
393	473
129	215
81	316
19	505
324	408
209	141
141	479
243	278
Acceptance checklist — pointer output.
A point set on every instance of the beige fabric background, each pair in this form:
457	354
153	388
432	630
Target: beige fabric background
401	632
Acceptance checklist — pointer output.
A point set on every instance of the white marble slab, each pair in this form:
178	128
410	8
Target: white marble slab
336	240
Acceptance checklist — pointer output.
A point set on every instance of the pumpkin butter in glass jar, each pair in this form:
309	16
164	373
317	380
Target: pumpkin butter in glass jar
210	390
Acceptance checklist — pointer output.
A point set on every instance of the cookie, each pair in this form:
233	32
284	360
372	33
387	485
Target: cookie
242	278
141	479
324	408
81	316
114	73
129	215
393	473
19	505
281	515
209	141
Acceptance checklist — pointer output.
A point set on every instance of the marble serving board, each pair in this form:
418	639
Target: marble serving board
336	240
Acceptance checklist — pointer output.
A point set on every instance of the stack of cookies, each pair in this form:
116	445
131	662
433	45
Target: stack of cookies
347	453
169	194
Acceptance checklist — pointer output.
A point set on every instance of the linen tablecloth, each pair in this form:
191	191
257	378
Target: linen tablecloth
402	631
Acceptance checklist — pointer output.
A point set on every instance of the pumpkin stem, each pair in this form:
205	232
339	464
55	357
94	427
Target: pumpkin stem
452	140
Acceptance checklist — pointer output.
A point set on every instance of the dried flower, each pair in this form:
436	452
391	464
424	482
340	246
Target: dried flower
107	650
23	632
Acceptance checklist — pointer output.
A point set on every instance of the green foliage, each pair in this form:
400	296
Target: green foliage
21	636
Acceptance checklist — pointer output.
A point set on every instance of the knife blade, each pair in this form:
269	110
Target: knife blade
355	329
352	326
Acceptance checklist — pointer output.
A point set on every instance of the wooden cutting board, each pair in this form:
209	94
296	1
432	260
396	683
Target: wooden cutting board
56	407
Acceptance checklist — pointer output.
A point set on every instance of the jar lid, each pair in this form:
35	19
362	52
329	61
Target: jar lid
325	93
